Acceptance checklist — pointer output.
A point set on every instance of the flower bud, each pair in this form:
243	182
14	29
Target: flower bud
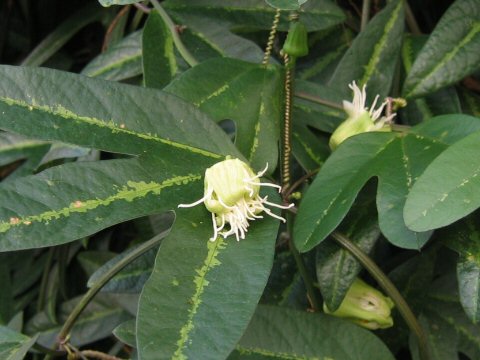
296	43
360	119
365	306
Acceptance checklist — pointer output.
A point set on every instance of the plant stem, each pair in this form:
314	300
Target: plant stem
287	150
89	295
389	288
271	38
365	14
289	78
187	56
410	19
319	100
307	280
298	183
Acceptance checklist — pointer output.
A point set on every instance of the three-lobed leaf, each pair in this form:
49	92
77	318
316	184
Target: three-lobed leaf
68	202
448	189
396	159
54	105
201	294
249	94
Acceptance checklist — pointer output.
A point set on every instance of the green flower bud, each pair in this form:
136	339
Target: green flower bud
360	119
365	306
232	195
296	44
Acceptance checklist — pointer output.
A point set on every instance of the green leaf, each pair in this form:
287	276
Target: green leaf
117	2
336	267
451	52
207	39
159	63
326	49
71	201
442	339
282	333
374	53
125	332
316	14
396	159
201	294
443	310
121	61
443	101
308	149
464	238
322	117
132	277
92	260
468	270
246	93
96	322
16	148
62	34
14	346
448	190
55	105
286	4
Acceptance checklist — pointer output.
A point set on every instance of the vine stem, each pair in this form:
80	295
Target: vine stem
90	294
176	38
319	100
389	288
271	38
287	149
365	14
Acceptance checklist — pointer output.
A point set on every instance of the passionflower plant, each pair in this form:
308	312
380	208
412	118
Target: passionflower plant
365	306
360	118
232	195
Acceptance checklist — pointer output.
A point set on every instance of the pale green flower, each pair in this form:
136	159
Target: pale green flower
365	306
360	119
232	195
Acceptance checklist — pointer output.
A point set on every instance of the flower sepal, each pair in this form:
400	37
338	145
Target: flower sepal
360	119
365	306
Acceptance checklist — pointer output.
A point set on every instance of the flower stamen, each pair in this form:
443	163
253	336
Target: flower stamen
232	196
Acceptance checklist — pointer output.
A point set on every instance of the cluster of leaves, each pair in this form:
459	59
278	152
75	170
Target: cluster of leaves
96	254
